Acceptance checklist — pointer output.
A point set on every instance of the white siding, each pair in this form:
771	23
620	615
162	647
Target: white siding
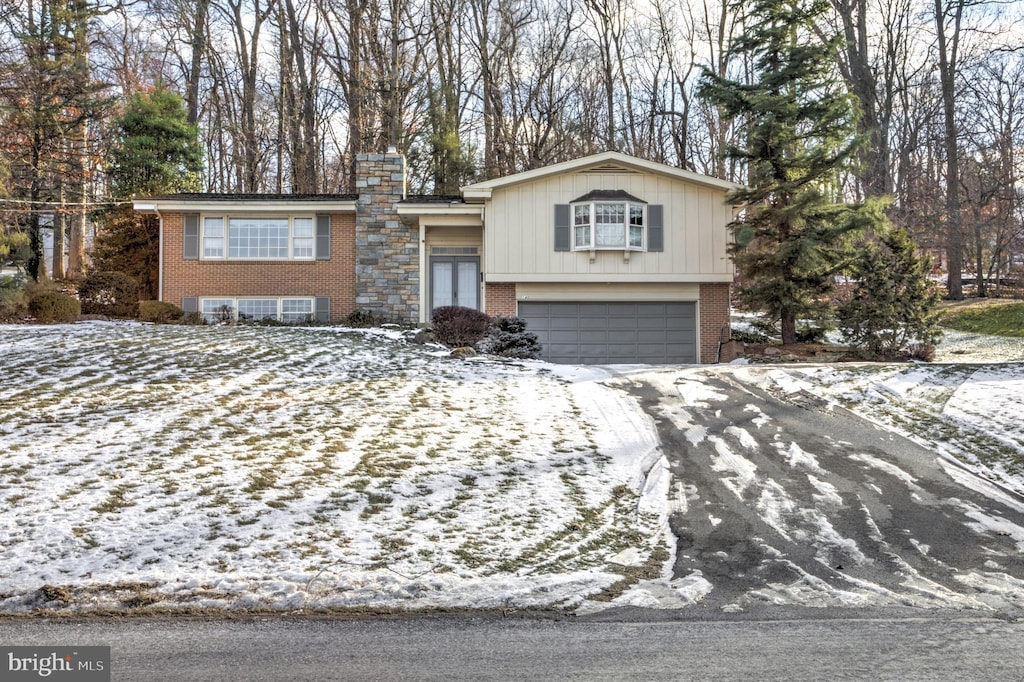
519	233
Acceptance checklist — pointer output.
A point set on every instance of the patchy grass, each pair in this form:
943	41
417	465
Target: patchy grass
995	317
271	467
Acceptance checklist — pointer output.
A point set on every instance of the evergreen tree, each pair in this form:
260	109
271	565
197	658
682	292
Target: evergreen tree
156	151
892	301
800	128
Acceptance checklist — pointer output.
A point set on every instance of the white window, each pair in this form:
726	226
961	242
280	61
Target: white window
296	309
608	225
213	238
302	238
258	238
257	308
217	309
292	310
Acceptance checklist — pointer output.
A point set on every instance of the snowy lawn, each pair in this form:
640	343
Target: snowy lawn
973	414
167	466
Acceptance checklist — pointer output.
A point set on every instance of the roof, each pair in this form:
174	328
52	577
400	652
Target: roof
609	195
250	196
260	203
608	162
433	199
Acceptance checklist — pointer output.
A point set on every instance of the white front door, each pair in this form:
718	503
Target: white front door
455	280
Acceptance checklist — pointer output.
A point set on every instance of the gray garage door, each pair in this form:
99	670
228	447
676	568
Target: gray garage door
613	333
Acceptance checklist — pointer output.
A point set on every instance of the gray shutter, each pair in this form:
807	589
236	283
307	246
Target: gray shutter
656	227
190	250
562	227
323	309
323	237
190	304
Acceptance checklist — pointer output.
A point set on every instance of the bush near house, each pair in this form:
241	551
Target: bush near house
13	298
114	294
160	312
459	327
53	307
508	337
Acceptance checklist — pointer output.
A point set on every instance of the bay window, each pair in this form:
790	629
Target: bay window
608	225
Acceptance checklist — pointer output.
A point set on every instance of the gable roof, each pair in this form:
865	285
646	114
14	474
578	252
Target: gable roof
605	162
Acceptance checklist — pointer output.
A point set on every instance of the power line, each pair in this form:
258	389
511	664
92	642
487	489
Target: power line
63	204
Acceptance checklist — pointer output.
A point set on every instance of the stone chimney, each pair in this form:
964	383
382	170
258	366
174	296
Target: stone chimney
387	251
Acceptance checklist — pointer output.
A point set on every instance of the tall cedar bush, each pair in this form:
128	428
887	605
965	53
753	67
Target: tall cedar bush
800	130
892	302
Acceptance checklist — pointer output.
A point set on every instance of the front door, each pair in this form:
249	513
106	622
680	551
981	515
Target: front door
455	280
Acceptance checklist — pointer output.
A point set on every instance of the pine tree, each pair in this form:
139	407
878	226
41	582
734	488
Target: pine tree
156	151
800	129
891	305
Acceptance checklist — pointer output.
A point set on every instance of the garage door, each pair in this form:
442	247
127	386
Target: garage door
614	333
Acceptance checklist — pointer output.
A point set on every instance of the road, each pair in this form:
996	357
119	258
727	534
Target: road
467	648
782	499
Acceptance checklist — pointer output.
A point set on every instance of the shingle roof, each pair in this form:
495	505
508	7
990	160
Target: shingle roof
252	196
433	199
609	195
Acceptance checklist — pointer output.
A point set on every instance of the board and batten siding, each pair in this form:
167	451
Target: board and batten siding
519	238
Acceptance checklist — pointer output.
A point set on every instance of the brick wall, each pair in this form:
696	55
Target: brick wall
714	316
501	299
334	278
387	269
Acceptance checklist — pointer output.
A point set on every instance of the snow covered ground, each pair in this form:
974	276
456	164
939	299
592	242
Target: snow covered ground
234	467
285	468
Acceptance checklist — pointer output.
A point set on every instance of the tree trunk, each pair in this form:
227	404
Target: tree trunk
947	77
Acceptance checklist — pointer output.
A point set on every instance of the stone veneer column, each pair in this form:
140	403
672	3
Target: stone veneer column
387	250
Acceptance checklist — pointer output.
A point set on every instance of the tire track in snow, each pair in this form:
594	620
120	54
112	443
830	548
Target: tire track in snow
796	502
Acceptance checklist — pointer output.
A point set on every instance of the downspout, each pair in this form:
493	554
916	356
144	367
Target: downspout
424	294
160	260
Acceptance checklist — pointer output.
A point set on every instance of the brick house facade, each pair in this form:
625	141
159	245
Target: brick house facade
655	291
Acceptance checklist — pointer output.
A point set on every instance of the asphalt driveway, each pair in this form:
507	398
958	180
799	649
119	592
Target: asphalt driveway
787	500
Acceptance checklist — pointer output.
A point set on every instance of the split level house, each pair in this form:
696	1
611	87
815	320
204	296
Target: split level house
609	258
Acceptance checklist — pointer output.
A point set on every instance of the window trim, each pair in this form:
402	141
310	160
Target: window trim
226	218
591	205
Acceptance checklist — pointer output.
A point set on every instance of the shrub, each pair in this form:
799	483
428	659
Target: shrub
193	318
364	318
508	337
925	352
109	293
891	303
457	327
50	306
747	336
160	312
811	334
13	297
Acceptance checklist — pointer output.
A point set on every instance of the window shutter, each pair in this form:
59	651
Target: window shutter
656	227
562	227
190	304
323	237
190	249
323	308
